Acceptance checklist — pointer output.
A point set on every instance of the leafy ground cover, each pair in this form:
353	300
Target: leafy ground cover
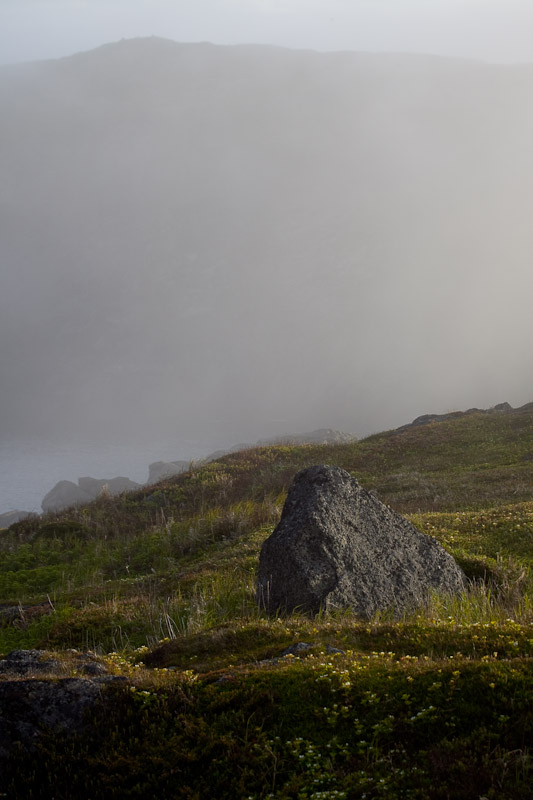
160	584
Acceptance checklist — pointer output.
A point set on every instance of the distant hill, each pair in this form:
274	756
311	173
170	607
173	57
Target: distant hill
246	238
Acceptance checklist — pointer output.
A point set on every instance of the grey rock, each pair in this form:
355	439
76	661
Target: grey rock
91	486
426	419
9	615
296	648
63	495
228	678
338	546
21	615
505	407
27	707
10	517
66	493
93	668
30	705
95	486
165	469
236	448
29	662
334	651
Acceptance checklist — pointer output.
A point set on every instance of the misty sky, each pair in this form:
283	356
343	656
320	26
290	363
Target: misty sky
489	30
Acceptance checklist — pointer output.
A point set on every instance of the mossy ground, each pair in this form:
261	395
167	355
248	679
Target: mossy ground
161	584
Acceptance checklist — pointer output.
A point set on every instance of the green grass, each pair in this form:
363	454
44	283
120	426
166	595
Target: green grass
161	584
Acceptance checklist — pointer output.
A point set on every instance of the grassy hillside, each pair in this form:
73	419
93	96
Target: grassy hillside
160	584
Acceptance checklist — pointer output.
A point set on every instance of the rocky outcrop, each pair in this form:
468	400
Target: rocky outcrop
165	469
28	706
95	486
35	663
10	517
338	546
20	616
66	493
31	705
63	495
26	663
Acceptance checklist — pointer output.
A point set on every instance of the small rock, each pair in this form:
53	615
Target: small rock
29	662
93	668
226	678
296	649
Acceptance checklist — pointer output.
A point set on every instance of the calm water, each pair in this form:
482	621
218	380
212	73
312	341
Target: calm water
29	469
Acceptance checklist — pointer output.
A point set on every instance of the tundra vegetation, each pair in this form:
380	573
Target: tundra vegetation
160	584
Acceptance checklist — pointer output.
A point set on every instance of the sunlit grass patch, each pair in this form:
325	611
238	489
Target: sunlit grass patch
506	530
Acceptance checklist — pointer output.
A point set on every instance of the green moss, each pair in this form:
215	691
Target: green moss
344	727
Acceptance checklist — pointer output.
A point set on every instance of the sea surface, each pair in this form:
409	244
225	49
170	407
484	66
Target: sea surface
30	468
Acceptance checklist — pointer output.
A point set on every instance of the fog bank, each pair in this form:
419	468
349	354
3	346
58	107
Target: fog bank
238	242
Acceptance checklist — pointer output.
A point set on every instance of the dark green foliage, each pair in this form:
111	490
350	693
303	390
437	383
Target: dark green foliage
61	529
374	727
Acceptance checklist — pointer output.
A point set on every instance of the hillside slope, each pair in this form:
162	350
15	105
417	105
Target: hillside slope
159	586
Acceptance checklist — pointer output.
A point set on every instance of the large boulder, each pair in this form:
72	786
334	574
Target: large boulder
66	493
63	495
165	469
338	546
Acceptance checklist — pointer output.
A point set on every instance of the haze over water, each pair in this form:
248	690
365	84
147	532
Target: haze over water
30	468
